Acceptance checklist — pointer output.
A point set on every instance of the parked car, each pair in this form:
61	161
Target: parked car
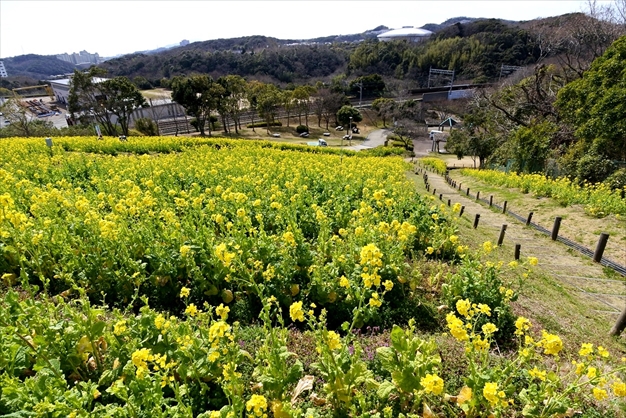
304	135
322	142
326	134
339	128
276	135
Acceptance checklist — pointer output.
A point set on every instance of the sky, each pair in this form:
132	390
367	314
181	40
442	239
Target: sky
50	27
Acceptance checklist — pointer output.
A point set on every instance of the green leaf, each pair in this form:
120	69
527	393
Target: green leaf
385	389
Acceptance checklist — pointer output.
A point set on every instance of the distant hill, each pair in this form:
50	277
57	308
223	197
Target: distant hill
36	66
436	27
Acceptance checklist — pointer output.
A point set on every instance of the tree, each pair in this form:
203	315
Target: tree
88	101
121	97
384	108
236	91
268	100
346	112
596	105
194	94
406	130
287	103
302	96
371	85
331	102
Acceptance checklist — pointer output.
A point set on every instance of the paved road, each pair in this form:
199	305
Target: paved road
374	139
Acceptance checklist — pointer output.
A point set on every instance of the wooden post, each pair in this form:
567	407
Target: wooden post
555	228
490	200
504	207
460	184
448	202
434	191
462	210
477	195
476	219
440	196
597	256
517	250
501	237
620	324
467	193
530	216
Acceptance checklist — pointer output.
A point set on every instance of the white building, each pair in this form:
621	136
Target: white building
3	71
408	33
83	57
61	88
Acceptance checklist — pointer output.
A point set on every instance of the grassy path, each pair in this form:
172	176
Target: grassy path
571	294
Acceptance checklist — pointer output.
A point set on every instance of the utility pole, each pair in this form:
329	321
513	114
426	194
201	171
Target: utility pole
360	84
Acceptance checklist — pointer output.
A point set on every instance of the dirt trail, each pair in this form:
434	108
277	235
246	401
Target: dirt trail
577	273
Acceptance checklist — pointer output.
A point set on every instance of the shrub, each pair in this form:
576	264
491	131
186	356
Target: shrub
147	127
617	180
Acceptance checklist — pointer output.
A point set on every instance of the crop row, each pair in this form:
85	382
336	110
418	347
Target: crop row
598	199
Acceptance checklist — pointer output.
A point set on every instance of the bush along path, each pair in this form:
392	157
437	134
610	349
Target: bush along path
581	277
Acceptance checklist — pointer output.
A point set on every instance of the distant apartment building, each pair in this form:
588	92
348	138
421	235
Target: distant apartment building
3	71
83	57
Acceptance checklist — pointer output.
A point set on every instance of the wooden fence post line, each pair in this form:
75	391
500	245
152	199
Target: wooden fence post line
597	256
620	324
517	250
504	207
490	200
476	219
501	237
555	228
530	216
462	210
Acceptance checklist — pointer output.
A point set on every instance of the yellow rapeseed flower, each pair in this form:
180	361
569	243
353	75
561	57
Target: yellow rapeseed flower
432	384
334	341
586	349
184	292
536	373
191	310
551	343
463	307
222	311
489	328
257	405
619	388
374	301
600	394
295	311
490	392
344	282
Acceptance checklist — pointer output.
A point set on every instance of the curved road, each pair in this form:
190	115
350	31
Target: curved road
374	139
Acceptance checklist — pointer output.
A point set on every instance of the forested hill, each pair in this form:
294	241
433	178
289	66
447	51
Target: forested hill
475	48
36	66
